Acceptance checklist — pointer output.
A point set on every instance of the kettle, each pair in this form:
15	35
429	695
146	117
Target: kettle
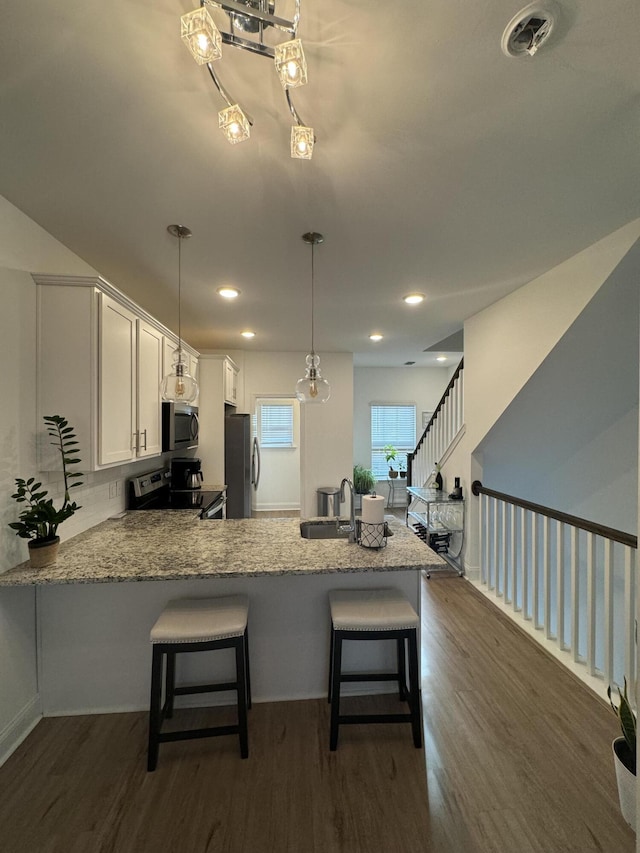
194	479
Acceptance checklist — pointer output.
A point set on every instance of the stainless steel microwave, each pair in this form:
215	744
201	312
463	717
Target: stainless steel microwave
179	426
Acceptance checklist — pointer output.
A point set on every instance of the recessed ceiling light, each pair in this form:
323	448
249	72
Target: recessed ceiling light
228	292
441	358
375	337
413	298
248	334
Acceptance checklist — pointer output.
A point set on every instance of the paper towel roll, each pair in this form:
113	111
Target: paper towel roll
373	509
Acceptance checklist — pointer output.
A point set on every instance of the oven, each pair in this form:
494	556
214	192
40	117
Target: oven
180	426
153	491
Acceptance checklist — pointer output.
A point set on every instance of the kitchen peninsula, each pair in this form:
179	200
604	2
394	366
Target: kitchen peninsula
97	604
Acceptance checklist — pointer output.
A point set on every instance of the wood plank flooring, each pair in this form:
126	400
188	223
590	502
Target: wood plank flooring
517	755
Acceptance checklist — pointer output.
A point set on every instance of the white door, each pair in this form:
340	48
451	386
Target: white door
276	423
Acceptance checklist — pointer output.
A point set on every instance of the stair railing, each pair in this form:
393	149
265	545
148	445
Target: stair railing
445	423
572	581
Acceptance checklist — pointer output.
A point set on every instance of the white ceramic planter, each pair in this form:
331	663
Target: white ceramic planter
626	787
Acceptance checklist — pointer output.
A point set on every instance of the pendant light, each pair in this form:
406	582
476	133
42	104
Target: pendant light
312	388
179	385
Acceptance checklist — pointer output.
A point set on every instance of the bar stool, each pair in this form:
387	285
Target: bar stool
198	625
374	614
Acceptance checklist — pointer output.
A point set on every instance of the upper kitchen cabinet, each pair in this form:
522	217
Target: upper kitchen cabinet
100	364
230	382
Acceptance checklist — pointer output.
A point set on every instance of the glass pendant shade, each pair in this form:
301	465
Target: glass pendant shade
179	385
302	142
291	64
234	124
200	34
312	388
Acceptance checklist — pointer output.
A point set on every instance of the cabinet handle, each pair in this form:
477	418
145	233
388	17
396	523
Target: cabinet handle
144	432
135	445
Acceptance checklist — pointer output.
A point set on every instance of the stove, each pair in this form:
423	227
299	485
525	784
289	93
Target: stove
153	491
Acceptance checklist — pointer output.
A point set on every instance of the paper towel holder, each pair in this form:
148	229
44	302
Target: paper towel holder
372	535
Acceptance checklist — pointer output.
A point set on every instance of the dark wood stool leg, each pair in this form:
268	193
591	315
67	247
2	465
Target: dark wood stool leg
245	647
336	670
170	685
402	669
155	712
414	690
241	687
330	665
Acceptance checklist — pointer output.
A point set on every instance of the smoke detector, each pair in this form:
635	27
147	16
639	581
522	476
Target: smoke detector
527	31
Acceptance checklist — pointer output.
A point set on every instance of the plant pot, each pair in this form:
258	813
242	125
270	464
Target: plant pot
43	552
393	474
626	781
403	474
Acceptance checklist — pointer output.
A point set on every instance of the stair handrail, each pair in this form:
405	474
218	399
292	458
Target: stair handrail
452	382
582	523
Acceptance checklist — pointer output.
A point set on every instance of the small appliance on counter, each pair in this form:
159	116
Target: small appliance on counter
152	491
186	473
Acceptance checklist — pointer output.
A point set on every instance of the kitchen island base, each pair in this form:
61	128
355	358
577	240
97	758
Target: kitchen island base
95	653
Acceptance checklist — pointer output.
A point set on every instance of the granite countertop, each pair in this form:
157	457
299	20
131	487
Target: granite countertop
177	545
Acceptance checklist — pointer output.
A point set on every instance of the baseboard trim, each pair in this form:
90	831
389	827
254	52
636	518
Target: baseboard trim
19	728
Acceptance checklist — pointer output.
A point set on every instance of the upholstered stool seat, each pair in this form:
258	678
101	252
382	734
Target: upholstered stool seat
198	625
375	614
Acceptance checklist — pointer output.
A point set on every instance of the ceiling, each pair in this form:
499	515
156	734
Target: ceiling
441	165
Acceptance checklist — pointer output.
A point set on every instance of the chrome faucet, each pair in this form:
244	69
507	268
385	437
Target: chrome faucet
351	527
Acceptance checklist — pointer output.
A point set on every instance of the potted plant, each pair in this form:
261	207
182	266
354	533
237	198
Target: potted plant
403	467
390	454
39	520
363	480
624	755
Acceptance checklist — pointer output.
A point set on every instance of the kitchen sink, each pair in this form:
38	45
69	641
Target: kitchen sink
324	529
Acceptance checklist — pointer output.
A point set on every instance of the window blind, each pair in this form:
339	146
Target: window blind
391	424
276	425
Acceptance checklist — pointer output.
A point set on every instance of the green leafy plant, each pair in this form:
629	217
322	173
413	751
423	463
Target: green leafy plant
363	479
39	519
390	454
628	726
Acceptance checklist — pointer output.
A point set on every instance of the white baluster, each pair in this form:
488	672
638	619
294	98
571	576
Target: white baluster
591	604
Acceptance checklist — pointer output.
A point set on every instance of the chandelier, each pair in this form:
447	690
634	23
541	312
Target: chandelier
248	22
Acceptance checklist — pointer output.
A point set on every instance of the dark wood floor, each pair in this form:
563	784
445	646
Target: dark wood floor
517	753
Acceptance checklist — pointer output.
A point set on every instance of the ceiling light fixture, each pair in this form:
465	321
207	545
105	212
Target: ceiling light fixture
228	292
375	337
441	358
255	19
312	388
248	334
179	385
413	298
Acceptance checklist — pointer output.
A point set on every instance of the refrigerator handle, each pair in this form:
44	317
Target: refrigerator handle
255	463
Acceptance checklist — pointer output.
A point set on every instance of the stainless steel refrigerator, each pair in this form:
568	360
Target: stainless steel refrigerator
241	465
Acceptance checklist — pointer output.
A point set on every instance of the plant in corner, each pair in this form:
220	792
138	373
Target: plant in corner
39	520
390	454
624	752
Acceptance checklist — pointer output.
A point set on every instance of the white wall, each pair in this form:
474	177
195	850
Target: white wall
422	386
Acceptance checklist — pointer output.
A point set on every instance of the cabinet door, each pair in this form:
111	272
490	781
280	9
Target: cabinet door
116	383
230	384
150	348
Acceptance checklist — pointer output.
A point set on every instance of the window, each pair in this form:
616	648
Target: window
394	424
276	424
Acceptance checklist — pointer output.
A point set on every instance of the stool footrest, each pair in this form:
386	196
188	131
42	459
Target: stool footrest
369	676
206	688
192	734
375	718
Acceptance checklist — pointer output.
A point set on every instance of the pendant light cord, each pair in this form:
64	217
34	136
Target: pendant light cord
179	294
312	278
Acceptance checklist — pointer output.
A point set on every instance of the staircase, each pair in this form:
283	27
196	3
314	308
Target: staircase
441	434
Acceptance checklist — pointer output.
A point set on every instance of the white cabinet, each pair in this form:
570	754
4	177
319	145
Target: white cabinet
100	364
230	382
